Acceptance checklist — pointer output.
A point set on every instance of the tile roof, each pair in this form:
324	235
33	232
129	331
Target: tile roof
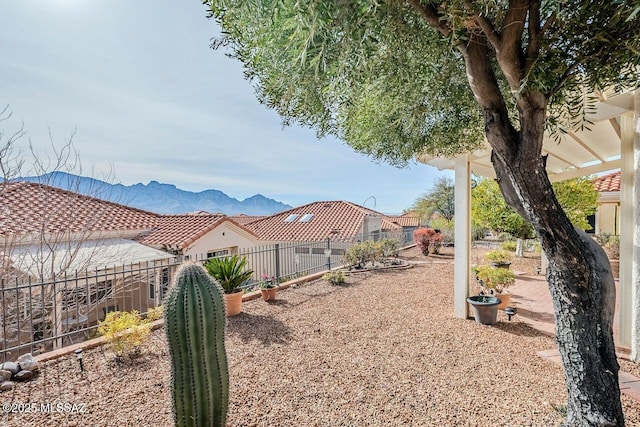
245	219
405	220
30	208
179	231
337	220
607	183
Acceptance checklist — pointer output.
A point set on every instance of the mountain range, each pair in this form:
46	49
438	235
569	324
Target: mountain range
161	198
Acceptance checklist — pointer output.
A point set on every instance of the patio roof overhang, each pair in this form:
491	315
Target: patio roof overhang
593	149
611	140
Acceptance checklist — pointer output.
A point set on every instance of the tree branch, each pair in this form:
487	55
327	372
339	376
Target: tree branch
430	15
535	35
485	25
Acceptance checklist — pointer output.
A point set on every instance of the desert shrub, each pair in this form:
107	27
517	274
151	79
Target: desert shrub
427	239
126	331
494	280
388	247
498	256
335	277
361	253
509	245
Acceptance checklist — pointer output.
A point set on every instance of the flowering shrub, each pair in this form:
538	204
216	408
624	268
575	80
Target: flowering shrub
268	281
428	239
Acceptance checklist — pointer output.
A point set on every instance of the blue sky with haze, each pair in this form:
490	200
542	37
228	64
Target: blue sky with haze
137	81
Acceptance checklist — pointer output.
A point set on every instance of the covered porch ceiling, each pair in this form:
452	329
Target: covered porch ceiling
594	149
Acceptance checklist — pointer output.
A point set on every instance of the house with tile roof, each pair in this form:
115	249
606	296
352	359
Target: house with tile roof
49	236
335	220
306	235
199	235
607	217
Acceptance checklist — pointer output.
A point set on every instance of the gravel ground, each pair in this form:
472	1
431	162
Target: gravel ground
383	350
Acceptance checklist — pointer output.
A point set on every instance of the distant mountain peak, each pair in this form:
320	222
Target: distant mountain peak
161	198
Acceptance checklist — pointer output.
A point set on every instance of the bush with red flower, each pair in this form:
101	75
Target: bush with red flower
428	240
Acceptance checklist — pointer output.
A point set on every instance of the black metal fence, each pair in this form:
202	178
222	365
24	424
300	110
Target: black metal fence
41	316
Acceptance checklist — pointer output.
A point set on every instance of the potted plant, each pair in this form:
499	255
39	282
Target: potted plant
495	281
485	308
499	258
231	274
268	287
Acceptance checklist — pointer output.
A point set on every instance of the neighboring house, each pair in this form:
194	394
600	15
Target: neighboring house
409	223
245	219
607	217
80	252
317	231
335	220
199	235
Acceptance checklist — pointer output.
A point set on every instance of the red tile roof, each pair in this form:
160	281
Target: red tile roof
179	231
245	219
337	220
405	220
31	208
607	183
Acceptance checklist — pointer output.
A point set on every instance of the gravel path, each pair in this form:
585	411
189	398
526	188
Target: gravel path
384	350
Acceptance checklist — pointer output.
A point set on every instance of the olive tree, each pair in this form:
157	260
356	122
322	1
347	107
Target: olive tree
397	78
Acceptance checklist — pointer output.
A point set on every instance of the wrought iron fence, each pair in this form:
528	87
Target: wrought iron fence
41	316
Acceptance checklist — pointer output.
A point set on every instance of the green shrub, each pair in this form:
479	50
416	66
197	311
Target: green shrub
388	247
494	279
361	253
126	331
498	256
509	245
230	272
335	277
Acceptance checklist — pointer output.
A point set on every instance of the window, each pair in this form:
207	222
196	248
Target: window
302	250
72	298
337	251
317	251
306	217
216	254
101	291
291	218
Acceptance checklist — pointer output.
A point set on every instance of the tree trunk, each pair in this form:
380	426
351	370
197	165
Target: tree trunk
519	247
579	273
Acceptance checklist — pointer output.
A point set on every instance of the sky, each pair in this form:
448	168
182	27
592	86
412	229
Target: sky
145	98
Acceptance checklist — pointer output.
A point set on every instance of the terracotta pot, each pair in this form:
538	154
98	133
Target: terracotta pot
233	303
485	309
269	294
506	300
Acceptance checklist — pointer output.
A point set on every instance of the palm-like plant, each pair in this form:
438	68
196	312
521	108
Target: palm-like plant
230	272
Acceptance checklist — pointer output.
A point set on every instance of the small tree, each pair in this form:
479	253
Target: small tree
439	201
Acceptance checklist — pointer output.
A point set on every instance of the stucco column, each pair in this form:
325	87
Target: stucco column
630	232
462	236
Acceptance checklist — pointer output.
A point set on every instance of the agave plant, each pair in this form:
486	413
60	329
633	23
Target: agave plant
230	272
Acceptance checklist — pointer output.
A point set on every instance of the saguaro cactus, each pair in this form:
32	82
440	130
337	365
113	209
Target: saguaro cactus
194	321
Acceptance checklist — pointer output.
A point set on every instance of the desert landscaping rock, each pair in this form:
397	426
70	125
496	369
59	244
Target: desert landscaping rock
6	385
5	375
23	375
27	362
383	350
11	367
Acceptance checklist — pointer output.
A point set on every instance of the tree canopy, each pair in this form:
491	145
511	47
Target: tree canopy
439	200
399	78
388	77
